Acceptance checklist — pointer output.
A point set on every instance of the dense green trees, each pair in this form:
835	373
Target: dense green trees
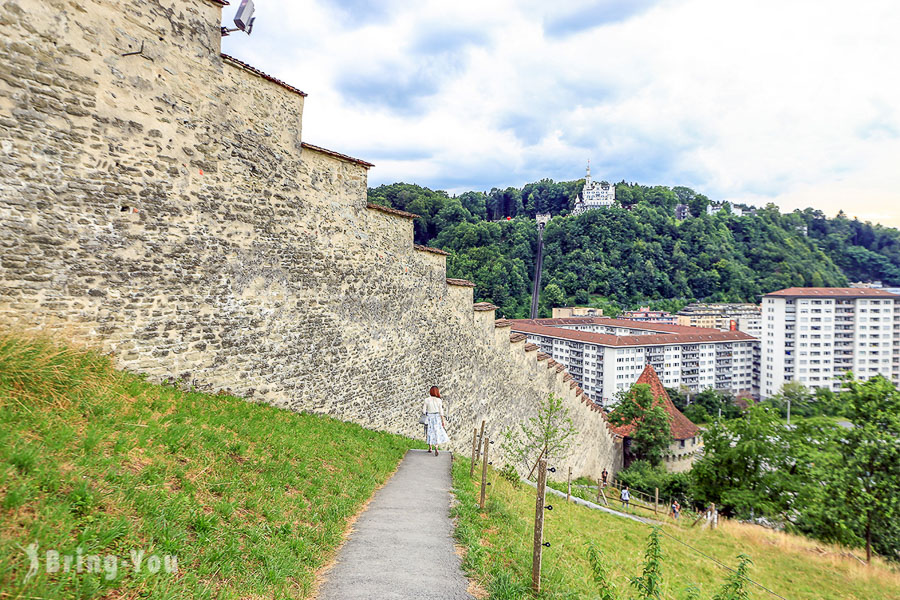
636	252
835	480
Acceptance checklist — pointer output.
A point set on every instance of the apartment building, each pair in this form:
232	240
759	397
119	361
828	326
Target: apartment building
606	356
815	335
576	311
650	316
722	315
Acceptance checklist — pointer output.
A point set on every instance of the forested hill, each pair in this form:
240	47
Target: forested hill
637	252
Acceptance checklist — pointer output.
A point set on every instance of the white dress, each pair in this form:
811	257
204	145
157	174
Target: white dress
434	430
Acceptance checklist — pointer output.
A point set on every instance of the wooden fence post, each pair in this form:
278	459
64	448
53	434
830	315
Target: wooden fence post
474	449
538	527
480	438
569	487
484	473
656	500
714	516
599	489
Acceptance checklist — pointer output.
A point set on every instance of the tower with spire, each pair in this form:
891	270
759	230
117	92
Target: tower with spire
594	194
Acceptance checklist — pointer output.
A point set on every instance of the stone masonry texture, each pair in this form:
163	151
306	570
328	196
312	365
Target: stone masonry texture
156	200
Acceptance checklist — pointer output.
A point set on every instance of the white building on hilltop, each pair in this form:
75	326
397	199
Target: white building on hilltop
815	335
595	194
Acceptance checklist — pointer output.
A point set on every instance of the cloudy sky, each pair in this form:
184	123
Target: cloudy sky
788	101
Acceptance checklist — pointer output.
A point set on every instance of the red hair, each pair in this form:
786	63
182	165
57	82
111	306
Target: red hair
434	391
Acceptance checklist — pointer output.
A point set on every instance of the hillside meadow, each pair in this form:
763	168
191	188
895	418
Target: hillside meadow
498	547
250	500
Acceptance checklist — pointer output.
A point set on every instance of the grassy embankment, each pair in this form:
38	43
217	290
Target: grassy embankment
251	500
498	544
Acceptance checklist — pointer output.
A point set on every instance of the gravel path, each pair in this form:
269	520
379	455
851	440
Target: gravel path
402	545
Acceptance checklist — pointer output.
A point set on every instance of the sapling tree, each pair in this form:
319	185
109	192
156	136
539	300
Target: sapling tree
649	583
734	588
549	434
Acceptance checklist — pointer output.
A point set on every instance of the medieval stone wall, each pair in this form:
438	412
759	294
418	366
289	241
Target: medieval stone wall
157	199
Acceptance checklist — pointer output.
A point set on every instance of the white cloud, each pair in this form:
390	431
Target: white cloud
792	102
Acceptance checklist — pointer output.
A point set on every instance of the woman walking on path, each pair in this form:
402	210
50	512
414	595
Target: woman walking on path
434	420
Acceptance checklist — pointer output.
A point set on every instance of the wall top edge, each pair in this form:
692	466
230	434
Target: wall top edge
230	60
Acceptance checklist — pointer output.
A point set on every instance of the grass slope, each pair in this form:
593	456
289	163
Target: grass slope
250	499
498	544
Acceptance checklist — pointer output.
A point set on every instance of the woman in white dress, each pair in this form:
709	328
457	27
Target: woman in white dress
434	420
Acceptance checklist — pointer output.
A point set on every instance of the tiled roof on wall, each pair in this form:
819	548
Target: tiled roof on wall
392	211
462	282
358	161
242	65
482	306
430	249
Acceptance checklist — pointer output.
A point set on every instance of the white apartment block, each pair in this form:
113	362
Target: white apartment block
606	356
815	335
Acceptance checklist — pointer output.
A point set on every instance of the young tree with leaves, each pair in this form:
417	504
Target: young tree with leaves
548	434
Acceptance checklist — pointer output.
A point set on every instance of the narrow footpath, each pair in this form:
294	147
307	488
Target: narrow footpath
402	546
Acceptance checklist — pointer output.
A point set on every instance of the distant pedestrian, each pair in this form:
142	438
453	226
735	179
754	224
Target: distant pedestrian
603	477
676	508
625	497
435	432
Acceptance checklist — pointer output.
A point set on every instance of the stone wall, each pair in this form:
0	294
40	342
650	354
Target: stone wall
163	205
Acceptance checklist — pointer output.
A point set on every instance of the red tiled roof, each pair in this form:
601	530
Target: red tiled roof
220	2
502	323
630	324
606	339
484	306
338	155
682	427
242	65
832	292
529	347
430	249
461	282
517	337
391	211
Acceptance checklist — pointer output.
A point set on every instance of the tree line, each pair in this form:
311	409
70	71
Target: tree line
636	252
832	474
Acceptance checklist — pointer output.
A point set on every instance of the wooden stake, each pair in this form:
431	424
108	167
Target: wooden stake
480	438
605	501
569	487
656	500
484	473
540	456
599	489
538	527
700	517
713	519
474	450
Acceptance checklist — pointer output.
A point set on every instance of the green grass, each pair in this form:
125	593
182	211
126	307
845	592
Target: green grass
251	500
498	543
